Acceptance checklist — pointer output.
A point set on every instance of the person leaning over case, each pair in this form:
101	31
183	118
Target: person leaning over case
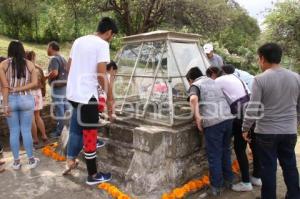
213	118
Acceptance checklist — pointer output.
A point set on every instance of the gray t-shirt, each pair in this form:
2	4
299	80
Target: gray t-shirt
278	90
216	61
213	106
56	63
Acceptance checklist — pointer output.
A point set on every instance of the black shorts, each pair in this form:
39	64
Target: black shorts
88	114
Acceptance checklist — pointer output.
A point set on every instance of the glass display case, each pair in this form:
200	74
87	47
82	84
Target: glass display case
150	82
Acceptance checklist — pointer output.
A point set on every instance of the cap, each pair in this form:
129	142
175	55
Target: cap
208	48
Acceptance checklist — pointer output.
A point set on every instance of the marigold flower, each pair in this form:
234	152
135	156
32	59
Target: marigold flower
205	180
179	192
165	196
192	186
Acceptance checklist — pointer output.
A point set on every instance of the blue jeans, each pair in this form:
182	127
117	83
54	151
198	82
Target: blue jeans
61	106
75	142
269	148
218	141
20	120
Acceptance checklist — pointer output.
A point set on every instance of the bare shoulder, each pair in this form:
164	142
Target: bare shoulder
30	65
4	64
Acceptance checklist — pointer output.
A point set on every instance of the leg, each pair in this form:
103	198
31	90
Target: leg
26	116
59	114
240	146
89	120
287	160
75	143
34	131
256	164
14	129
267	150
214	142
40	123
227	169
75	140
68	112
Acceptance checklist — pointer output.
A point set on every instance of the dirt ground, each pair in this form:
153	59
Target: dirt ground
46	182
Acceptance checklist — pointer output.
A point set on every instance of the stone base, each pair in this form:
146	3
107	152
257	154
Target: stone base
149	159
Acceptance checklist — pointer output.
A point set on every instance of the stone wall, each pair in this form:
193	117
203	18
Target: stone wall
149	159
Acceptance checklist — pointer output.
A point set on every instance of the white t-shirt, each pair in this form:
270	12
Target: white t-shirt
86	53
232	87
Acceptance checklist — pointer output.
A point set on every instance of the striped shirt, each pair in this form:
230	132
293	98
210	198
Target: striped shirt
14	81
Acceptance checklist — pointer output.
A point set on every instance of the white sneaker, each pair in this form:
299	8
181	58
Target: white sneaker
255	181
32	165
241	187
16	166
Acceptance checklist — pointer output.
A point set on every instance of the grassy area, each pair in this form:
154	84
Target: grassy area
39	49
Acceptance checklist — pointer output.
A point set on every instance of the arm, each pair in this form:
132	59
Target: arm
34	79
221	61
69	64
43	83
298	109
254	109
5	86
194	104
102	78
110	97
102	58
53	66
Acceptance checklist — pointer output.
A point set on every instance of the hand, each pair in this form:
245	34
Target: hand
199	123
13	89
246	136
112	117
51	75
6	111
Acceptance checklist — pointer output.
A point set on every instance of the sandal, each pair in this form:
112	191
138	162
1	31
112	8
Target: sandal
2	162
69	168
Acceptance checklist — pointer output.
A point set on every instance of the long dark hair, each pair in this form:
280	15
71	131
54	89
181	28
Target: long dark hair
17	53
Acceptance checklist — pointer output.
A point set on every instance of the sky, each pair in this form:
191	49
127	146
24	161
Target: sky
257	8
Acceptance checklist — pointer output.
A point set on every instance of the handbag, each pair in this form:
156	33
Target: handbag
237	104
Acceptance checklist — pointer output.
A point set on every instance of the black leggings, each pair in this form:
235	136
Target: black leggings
240	146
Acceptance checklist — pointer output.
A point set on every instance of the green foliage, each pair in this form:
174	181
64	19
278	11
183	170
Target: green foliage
245	60
223	22
243	32
283	27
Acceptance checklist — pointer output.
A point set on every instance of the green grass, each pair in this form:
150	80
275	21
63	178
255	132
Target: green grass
39	49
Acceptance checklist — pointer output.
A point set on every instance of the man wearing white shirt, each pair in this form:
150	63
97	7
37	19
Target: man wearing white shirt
87	71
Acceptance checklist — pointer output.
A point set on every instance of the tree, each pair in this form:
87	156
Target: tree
243	32
283	26
18	17
137	16
205	17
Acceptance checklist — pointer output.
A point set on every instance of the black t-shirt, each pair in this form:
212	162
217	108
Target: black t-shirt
194	90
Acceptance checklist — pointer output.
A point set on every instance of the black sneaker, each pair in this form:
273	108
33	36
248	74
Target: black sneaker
99	178
100	143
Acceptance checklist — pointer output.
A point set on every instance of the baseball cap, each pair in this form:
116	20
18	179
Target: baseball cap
208	48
